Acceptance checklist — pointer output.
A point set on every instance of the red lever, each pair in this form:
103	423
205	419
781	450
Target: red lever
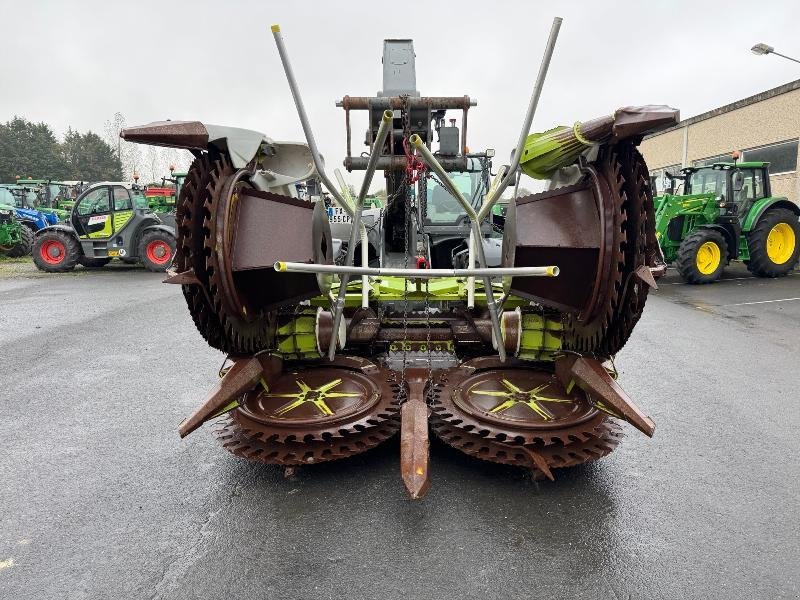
422	263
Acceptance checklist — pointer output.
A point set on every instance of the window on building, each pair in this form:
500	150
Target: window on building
660	177
782	157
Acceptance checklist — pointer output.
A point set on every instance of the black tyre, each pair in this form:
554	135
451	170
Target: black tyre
702	256
157	250
93	263
25	245
56	251
773	243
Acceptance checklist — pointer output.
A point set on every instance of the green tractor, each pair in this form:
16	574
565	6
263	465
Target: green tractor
109	220
15	238
726	212
59	196
162	199
45	195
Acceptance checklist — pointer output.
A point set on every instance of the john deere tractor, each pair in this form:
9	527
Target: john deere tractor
109	220
726	212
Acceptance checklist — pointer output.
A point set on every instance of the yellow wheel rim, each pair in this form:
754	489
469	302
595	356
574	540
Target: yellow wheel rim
780	243
708	258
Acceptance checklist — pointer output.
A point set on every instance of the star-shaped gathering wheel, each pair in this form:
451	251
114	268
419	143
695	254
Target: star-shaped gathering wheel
315	396
513	395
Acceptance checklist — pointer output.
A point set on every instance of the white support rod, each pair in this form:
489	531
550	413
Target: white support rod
364	262
296	267
488	291
501	172
471	264
364	239
301	111
372	164
526	126
436	167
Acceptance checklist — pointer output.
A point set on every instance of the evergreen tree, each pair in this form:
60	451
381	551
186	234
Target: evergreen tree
29	150
89	158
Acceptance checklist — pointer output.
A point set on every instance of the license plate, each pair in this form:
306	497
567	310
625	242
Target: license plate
113	253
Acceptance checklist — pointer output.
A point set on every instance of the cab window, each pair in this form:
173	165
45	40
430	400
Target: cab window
96	201
122	199
707	181
753	186
758	184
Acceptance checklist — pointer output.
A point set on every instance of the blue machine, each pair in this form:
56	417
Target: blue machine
31	217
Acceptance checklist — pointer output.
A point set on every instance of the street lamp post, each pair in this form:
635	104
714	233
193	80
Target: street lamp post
762	49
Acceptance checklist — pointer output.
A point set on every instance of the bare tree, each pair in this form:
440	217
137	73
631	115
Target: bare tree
129	154
150	163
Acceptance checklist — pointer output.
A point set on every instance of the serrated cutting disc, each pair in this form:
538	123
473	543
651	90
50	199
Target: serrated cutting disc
314	414
515	414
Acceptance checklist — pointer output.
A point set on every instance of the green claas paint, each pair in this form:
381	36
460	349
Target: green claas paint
725	212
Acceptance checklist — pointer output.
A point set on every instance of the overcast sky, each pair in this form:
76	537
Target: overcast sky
77	63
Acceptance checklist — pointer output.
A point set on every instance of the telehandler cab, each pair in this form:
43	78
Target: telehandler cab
109	220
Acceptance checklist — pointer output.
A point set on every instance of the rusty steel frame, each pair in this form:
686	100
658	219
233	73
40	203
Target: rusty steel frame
396	163
396	102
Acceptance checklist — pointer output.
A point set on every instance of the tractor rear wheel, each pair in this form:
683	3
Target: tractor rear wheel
702	256
156	250
773	243
93	263
23	248
56	251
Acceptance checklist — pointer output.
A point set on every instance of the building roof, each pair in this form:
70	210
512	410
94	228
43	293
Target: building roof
777	91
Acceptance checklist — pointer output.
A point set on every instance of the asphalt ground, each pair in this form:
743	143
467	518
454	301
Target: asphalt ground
101	499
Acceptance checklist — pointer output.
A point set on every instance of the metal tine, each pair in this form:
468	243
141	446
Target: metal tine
301	112
526	127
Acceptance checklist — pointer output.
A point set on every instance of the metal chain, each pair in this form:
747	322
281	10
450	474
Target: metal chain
406	113
429	389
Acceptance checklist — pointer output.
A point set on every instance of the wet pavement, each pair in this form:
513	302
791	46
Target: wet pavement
101	499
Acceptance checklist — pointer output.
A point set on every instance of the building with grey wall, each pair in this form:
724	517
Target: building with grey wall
763	127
